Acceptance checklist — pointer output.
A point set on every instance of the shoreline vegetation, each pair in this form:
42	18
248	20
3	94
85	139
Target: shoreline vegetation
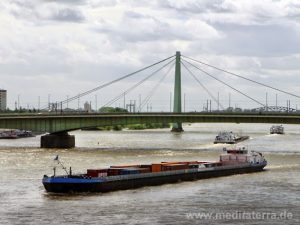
131	127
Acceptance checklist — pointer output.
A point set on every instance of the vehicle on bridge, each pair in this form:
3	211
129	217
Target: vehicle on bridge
225	137
277	129
235	161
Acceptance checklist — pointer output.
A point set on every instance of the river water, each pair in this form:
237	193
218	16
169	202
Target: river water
269	197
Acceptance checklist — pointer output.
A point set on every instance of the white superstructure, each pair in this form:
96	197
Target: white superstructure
241	155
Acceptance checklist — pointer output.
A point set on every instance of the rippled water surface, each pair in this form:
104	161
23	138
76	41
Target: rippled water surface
274	192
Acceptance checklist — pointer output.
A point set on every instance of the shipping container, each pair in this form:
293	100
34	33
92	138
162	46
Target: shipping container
124	166
129	171
147	166
114	171
156	167
167	167
97	172
185	162
145	170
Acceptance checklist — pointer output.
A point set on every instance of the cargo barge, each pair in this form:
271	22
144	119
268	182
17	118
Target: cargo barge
234	161
225	137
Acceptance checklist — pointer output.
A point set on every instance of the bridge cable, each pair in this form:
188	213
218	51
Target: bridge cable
148	97
114	81
242	77
119	79
136	85
225	84
202	85
111	82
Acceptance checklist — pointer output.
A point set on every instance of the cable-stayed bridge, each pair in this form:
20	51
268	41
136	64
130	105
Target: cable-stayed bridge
59	124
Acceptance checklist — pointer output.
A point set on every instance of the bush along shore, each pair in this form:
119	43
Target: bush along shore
132	127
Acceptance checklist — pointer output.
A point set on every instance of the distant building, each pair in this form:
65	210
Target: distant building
3	101
87	107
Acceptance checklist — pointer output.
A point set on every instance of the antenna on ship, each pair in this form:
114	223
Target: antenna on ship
61	164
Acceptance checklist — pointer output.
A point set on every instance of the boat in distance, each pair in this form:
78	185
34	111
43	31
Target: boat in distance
14	134
234	161
277	129
225	137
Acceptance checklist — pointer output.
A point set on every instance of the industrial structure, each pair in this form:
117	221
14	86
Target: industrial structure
3	99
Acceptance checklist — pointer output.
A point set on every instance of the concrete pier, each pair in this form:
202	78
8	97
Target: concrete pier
177	127
58	140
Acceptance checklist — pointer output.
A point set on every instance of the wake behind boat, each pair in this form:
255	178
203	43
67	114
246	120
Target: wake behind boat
235	161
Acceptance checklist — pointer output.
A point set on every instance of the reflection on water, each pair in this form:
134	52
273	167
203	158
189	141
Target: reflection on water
24	201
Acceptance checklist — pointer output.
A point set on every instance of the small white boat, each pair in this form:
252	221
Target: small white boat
225	137
277	129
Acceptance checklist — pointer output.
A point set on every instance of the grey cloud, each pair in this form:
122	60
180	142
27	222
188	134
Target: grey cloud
137	27
257	40
70	2
21	9
294	11
134	15
102	3
25	4
287	63
92	3
218	6
68	15
37	11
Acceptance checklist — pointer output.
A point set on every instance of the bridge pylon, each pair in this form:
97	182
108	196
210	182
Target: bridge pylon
177	127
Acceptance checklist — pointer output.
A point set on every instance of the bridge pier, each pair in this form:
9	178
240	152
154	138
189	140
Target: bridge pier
177	127
58	140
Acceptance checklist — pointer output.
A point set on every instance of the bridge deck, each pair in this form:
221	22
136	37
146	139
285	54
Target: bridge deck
52	123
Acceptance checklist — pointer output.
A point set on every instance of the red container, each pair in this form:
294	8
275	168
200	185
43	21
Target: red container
145	170
168	167
186	162
97	172
114	171
124	166
156	167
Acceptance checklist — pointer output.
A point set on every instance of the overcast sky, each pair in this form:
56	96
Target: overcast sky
66	47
